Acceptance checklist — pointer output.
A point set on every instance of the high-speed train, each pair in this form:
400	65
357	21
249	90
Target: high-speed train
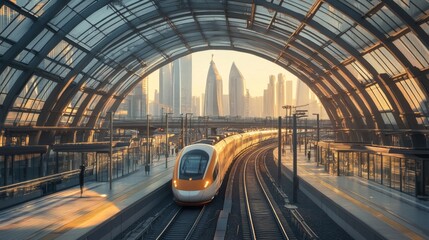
200	168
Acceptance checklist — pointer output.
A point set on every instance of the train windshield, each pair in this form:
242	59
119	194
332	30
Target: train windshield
193	165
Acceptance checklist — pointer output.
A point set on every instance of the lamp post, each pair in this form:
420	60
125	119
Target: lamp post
286	108
279	155
181	131
317	138
206	118
297	114
186	128
147	141
110	149
167	149
305	137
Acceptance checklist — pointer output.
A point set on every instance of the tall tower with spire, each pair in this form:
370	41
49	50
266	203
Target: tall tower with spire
214	92
237	92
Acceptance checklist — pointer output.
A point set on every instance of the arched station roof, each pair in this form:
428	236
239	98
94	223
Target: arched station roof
69	62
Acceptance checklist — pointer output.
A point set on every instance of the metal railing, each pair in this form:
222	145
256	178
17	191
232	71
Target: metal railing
24	191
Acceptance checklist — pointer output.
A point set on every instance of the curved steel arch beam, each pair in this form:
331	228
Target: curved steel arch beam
402	108
12	52
94	52
333	37
106	97
409	21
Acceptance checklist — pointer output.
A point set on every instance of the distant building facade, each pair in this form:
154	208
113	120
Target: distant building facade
281	98
288	92
136	104
186	84
270	109
178	77
166	87
196	106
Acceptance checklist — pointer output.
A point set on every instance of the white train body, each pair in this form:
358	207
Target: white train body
200	168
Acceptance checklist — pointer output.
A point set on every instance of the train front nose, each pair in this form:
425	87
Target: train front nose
189	196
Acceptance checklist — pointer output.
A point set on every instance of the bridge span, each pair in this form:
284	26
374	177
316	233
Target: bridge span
221	122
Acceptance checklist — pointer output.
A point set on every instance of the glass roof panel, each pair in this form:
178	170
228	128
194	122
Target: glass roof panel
337	52
379	98
332	19
13	25
8	77
34	93
311	34
40	41
414	94
62	18
4	46
414	50
361	7
139	8
384	62
25	57
298	6
36	7
358	38
21	118
415	8
385	21
359	72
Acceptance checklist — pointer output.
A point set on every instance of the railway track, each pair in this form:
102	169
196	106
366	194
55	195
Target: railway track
183	224
262	216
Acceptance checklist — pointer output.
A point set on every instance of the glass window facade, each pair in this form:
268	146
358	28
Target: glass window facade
405	173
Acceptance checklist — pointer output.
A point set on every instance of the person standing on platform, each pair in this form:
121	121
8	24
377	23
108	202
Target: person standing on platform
308	155
147	169
81	178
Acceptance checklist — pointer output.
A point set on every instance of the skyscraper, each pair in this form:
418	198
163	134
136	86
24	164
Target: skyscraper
237	92
177	88
302	94
186	83
270	98
136	104
281	98
166	87
196	106
214	92
182	85
288	92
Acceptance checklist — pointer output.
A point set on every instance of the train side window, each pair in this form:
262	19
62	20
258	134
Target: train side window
215	171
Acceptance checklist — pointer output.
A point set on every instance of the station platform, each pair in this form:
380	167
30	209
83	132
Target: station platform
67	215
365	209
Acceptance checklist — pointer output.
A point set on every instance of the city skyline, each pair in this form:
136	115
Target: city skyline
254	69
177	82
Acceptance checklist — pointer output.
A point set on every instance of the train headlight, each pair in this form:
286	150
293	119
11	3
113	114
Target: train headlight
206	184
175	183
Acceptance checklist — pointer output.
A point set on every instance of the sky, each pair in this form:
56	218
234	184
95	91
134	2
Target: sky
255	70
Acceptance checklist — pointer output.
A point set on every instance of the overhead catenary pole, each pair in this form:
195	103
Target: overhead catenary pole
166	141
279	153
187	128
305	137
147	141
317	138
110	149
295	175
167	145
181	132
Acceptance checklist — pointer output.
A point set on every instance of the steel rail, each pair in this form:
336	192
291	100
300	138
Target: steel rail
257	155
